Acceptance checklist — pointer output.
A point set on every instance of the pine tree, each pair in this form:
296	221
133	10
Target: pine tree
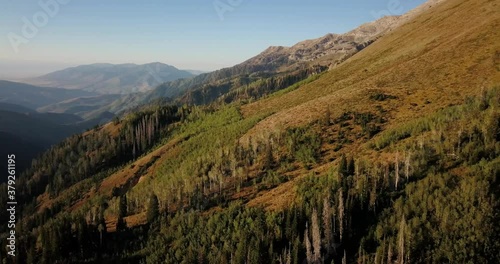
296	250
101	226
269	160
153	210
343	166
122	212
350	167
389	254
396	172
401	241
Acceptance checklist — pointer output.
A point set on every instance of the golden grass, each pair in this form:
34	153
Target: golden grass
435	60
440	56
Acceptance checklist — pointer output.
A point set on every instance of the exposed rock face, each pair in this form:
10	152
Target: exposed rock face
332	49
329	45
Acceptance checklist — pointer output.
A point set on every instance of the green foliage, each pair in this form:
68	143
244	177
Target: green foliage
303	145
432	198
450	218
153	209
243	235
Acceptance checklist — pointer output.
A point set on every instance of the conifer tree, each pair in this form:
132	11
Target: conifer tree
342	166
153	210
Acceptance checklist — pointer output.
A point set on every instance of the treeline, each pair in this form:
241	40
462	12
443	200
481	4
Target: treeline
246	87
435	200
85	156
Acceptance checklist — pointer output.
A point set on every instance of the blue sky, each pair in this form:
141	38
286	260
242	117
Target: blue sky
189	34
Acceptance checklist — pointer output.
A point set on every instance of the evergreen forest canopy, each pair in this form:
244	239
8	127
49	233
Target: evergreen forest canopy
435	200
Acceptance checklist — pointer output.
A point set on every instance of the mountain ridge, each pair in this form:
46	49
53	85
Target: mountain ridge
107	78
35	96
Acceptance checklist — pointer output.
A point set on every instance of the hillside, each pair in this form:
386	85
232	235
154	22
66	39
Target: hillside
33	96
104	78
422	63
391	156
24	149
83	107
27	133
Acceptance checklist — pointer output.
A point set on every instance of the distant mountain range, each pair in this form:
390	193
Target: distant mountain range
105	78
33	96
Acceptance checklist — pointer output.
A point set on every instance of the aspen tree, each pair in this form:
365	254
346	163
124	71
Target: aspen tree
316	236
327	223
401	241
307	243
407	165
396	172
341	213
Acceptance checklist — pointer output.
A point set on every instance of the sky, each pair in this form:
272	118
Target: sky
37	37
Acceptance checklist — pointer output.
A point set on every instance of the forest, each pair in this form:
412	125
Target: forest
429	194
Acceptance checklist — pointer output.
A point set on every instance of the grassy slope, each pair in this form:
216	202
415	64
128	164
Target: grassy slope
439	56
422	63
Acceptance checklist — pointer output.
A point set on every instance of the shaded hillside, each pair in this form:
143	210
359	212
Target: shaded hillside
24	125
390	157
24	150
27	133
84	107
55	118
33	96
106	78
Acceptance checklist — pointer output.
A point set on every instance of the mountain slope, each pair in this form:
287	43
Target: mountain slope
422	61
33	96
24	150
112	79
391	156
27	133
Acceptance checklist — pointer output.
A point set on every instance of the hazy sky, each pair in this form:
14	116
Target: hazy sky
189	34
